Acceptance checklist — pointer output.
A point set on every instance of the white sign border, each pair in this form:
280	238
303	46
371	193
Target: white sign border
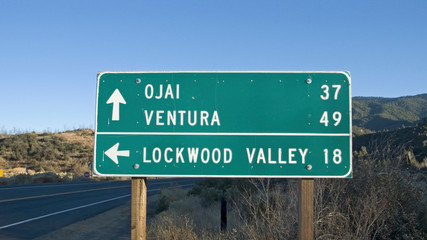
346	73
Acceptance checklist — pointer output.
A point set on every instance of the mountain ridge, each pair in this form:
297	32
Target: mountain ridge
381	114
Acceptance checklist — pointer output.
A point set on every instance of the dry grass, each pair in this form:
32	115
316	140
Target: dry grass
267	214
37	153
269	211
185	217
3	163
381	202
7	173
83	136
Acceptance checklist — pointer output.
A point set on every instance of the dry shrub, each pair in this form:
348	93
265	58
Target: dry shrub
329	221
266	209
269	212
382	201
3	181
41	177
3	163
48	177
205	218
20	179
169	227
79	169
175	203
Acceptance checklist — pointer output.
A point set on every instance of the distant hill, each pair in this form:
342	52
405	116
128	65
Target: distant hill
67	152
379	114
411	139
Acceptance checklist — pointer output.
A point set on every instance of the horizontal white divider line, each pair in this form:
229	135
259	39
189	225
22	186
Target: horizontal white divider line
223	134
63	211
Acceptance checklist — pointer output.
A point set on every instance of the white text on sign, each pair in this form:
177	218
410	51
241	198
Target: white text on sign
194	155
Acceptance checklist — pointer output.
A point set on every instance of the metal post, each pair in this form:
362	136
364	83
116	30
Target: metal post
139	208
305	209
223	214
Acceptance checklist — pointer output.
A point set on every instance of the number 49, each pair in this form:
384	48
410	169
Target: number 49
336	116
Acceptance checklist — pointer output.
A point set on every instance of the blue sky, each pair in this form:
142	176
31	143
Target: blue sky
51	51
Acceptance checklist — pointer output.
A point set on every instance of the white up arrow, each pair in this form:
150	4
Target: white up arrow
113	152
116	98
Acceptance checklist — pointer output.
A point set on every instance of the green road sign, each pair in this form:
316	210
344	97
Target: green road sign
223	124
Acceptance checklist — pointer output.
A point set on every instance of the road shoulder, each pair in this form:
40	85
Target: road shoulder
112	224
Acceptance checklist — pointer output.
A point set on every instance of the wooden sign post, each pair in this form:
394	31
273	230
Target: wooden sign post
139	208
305	209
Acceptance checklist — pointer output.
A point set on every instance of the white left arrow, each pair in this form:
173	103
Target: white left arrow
113	152
116	98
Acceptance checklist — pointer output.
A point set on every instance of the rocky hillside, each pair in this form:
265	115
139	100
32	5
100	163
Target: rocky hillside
68	152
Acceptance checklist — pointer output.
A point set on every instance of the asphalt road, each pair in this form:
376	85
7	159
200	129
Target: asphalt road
30	211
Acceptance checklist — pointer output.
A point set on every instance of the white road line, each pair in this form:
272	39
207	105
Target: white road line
60	193
63	211
53	185
79	184
76	208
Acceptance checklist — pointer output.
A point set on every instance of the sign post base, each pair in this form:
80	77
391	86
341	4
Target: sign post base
139	208
305	209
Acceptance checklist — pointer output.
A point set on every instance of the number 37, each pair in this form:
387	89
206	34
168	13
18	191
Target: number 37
326	92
